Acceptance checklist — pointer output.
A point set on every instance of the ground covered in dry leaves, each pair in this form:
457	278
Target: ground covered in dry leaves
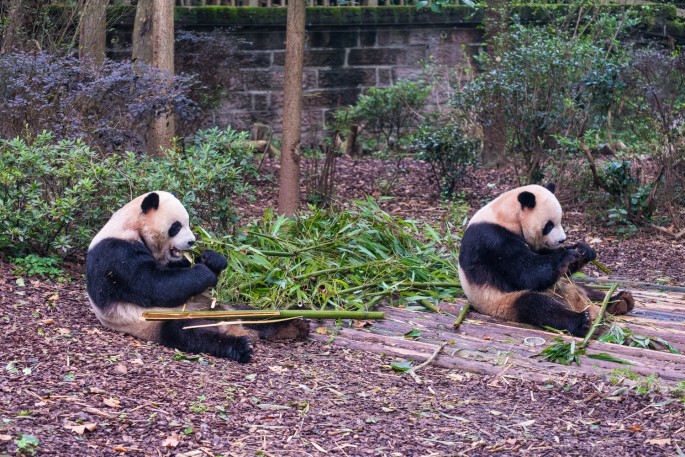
70	387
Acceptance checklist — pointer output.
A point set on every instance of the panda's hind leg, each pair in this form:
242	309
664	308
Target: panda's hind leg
621	303
544	311
290	330
230	341
580	297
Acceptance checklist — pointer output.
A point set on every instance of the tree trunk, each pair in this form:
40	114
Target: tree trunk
494	133
14	33
93	32
289	180
153	44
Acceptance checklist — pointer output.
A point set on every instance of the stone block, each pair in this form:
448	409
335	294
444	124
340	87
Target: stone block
332	39
332	98
347	77
316	58
394	37
368	38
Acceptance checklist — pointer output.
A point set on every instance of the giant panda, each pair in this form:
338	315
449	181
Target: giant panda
135	264
513	265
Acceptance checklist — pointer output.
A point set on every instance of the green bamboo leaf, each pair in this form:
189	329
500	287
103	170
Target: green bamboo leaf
608	358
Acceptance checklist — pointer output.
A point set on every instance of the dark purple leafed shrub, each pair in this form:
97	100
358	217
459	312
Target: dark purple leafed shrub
110	107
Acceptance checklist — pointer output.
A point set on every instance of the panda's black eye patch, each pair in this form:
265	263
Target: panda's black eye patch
174	229
548	228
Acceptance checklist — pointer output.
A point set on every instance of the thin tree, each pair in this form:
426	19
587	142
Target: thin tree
289	180
17	24
153	44
93	31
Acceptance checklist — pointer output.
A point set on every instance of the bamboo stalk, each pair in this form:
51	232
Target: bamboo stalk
286	313
600	316
462	314
601	266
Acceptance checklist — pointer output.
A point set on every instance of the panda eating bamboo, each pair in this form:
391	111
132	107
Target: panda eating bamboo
135	264
513	265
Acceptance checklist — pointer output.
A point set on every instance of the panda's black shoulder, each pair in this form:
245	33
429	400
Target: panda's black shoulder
114	248
112	254
489	235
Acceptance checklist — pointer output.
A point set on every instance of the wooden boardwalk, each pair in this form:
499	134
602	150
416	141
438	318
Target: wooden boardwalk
494	347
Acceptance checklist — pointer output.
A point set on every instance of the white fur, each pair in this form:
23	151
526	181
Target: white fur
131	224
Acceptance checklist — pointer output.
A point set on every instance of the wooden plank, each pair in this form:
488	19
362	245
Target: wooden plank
494	347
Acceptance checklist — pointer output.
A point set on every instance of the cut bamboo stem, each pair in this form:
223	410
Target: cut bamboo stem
257	314
462	314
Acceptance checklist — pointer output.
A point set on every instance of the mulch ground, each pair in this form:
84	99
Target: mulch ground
80	389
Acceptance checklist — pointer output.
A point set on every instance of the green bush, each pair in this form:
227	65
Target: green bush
546	82
386	112
54	196
206	176
449	153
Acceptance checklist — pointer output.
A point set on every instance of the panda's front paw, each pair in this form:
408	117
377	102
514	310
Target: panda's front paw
214	261
587	253
570	258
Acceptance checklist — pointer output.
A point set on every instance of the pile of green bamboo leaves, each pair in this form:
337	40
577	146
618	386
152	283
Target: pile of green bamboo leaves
343	260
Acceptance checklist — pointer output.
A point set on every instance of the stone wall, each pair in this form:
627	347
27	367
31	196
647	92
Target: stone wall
348	49
242	52
339	65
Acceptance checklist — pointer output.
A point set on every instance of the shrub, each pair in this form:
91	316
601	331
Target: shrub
449	152
206	176
386	112
546	82
55	195
110	107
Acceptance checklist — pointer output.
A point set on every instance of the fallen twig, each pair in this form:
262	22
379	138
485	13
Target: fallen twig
412	371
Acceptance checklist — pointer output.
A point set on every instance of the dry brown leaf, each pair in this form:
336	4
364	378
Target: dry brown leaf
95	390
81	428
121	368
322	330
361	324
171	441
634	428
5	437
63	331
111	402
48	321
119	449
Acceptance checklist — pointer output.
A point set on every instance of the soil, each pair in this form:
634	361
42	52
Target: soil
80	389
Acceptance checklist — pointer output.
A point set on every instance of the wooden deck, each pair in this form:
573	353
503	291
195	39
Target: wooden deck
490	346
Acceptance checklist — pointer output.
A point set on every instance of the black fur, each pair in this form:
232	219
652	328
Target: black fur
527	199
150	202
174	229
551	187
125	271
206	340
491	254
539	309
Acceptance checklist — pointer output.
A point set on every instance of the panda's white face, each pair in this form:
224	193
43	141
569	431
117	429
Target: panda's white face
541	219
166	228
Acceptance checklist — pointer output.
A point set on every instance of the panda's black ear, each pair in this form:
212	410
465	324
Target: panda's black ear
150	202
551	187
527	199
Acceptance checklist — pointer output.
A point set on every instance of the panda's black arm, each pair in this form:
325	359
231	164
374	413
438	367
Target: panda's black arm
160	286
183	263
124	271
491	254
